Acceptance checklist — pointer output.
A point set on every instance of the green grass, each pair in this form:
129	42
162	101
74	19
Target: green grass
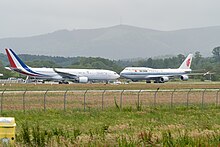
162	126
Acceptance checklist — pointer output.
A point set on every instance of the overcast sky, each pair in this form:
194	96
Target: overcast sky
32	17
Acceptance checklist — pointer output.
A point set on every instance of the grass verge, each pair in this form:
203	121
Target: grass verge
162	126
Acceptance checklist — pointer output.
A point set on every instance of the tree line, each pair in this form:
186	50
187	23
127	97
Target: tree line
199	63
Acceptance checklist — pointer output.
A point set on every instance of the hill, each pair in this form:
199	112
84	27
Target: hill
117	42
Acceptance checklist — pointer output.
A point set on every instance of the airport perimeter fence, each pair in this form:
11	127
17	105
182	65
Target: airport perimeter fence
85	100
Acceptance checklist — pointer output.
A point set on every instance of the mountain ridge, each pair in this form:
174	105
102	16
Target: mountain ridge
117	42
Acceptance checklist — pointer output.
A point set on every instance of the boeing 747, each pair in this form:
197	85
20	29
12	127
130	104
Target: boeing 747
158	75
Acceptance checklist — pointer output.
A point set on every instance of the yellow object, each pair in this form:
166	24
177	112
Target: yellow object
7	130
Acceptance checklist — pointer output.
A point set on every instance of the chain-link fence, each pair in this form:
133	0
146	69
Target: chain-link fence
102	99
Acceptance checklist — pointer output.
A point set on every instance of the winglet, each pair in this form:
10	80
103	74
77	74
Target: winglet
187	62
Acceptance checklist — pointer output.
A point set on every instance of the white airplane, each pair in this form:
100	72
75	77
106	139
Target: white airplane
59	74
158	75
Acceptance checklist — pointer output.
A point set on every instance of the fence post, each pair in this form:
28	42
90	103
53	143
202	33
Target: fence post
217	97
155	96
24	100
103	99
64	100
138	102
2	100
121	99
45	94
187	99
203	93
85	99
172	98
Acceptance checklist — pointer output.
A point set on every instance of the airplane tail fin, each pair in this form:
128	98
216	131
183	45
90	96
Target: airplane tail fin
18	65
15	61
187	62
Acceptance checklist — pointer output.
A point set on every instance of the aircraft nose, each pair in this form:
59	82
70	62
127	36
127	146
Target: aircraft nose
117	76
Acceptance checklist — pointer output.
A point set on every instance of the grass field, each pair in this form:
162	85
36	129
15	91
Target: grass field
129	126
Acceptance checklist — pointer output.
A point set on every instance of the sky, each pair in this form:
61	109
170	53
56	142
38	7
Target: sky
20	18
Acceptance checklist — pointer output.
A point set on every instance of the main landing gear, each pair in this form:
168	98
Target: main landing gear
63	82
148	81
158	81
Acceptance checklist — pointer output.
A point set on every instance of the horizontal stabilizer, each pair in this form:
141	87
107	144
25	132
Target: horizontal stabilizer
8	68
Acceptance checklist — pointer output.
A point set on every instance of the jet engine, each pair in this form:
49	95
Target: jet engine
184	77
83	79
164	79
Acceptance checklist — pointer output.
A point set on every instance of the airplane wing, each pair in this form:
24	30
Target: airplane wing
201	73
65	75
197	74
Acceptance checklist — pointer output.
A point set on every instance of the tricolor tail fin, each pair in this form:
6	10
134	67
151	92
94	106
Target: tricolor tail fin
15	61
187	62
18	65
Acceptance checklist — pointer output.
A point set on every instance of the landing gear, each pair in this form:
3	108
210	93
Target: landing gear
148	81
158	81
27	79
63	82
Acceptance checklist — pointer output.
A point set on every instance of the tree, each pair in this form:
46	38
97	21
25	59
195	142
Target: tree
181	58
216	53
197	55
149	62
142	63
197	59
